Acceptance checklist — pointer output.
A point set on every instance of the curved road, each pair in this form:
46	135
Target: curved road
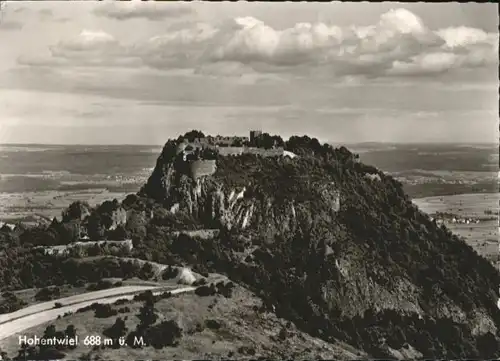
35	315
44	306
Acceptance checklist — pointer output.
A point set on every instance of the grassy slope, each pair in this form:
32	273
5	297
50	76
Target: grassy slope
242	326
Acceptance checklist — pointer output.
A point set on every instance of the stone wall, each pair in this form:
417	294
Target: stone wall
276	152
226	151
200	168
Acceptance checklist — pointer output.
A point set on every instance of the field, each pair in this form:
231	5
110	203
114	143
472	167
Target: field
483	237
436	169
33	207
37	181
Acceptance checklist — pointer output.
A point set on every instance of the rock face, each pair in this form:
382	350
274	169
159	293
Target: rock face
215	203
118	217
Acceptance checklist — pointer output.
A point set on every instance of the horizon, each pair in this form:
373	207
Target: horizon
322	142
347	72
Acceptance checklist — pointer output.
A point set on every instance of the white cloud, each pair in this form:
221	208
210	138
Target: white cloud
463	36
89	48
398	44
136	9
427	63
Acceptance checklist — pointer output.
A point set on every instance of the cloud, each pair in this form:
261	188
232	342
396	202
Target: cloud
89	48
399	44
178	48
45	13
10	25
147	10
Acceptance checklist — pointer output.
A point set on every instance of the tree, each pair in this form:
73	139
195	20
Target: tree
147	316
192	135
136	226
166	333
70	332
76	211
147	271
117	330
50	332
26	352
46	294
118	234
265	141
95	229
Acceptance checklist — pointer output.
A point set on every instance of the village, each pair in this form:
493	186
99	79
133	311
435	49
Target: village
445	217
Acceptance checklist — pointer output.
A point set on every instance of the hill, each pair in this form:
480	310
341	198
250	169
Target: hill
332	245
334	242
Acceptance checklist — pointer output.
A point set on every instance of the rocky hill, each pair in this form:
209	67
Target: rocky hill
338	248
328	243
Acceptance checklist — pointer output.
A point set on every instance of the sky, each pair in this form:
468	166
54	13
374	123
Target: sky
143	72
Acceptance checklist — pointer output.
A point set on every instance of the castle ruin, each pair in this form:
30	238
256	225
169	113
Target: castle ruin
197	154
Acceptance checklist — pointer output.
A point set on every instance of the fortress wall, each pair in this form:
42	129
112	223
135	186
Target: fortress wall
227	151
200	168
265	152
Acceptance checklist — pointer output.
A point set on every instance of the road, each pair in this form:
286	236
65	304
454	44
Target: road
39	307
32	316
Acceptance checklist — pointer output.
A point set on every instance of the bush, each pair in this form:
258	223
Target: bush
247	350
164	334
47	294
104	311
121	301
11	303
213	324
100	285
117	330
147	271
169	273
204	291
145	296
200	282
225	289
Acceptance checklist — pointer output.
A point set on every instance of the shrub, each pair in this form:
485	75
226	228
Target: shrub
213	324
117	330
11	303
247	350
164	334
100	285
47	294
204	291
200	282
104	311
169	273
121	301
225	289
